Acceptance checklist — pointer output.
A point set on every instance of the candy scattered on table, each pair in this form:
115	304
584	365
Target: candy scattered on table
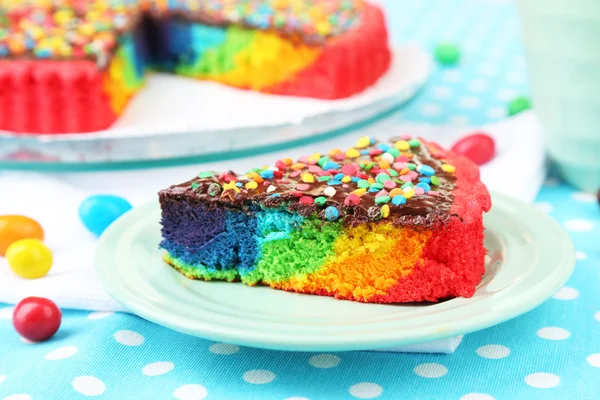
478	147
36	318
17	227
447	54
29	258
518	105
97	212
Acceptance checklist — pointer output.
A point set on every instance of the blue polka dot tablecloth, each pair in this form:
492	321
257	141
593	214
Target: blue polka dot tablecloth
552	352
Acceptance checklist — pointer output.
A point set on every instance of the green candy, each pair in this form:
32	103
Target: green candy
322	161
435	180
363	184
378	186
414	142
195	185
382	178
207	174
392	172
324	178
411	166
369	166
447	53
320	200
394	152
518	105
382	199
407	185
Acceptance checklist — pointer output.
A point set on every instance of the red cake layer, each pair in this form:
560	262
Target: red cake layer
53	97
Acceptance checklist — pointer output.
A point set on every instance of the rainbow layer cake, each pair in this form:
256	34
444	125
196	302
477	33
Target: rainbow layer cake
73	65
380	222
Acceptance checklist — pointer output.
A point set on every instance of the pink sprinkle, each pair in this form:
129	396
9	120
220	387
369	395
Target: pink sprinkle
406	178
352	199
303	160
296	173
339	157
382	192
314	169
433	193
280	165
389	184
303	186
401	159
266	183
322	173
349	169
419	190
406	136
306	200
399	166
413	174
375	152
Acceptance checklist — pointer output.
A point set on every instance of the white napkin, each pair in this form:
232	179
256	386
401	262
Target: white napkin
53	200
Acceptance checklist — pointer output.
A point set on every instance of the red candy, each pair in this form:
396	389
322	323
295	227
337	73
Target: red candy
352	199
349	169
478	147
306	200
36	318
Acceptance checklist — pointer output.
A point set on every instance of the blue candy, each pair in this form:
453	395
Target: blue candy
383	146
331	165
334	183
424	186
426	180
338	177
97	212
332	213
266	174
398	200
425	170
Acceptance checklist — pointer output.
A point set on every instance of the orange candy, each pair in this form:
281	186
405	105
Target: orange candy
17	227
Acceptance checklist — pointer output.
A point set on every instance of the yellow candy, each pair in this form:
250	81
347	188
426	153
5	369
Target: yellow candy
360	192
363	142
297	166
315	157
251	185
346	179
402	145
255	176
334	152
384	164
352	153
449	168
385	211
308	178
396	192
231	186
29	258
409	192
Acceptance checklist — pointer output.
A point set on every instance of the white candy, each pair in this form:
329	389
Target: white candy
329	191
387	157
271	188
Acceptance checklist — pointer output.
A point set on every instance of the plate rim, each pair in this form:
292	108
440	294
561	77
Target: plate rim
519	305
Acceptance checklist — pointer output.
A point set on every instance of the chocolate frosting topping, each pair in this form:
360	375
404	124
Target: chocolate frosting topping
361	184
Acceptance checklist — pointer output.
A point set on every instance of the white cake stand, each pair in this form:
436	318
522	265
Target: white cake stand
176	120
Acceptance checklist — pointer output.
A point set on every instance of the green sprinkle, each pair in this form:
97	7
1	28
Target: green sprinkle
382	178
320	200
363	184
195	185
369	166
411	166
322	161
394	152
518	105
378	186
324	178
407	185
399	181
414	142
447	53
205	175
435	180
382	199
392	172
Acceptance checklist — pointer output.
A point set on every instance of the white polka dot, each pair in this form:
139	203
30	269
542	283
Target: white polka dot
259	376
442	92
158	368
597	316
544	207
324	361
100	314
20	396
580	256
566	293
129	338
460	120
224	348
190	392
2	378
496	112
594	360
493	351
477	396
6	312
579	225
542	380
431	370
452	75
585	197
469	102
431	110
507	94
478	85
488	69
365	390
88	385
61	353
553	333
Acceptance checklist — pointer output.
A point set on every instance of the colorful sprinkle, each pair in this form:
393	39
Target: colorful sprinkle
382	199
251	185
302	187
398	200
306	200
402	145
308	178
448	168
332	213
425	170
363	142
320	200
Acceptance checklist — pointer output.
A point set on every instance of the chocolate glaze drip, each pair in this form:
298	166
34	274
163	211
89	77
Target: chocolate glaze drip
421	210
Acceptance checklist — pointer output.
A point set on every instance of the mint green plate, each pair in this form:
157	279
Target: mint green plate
530	258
